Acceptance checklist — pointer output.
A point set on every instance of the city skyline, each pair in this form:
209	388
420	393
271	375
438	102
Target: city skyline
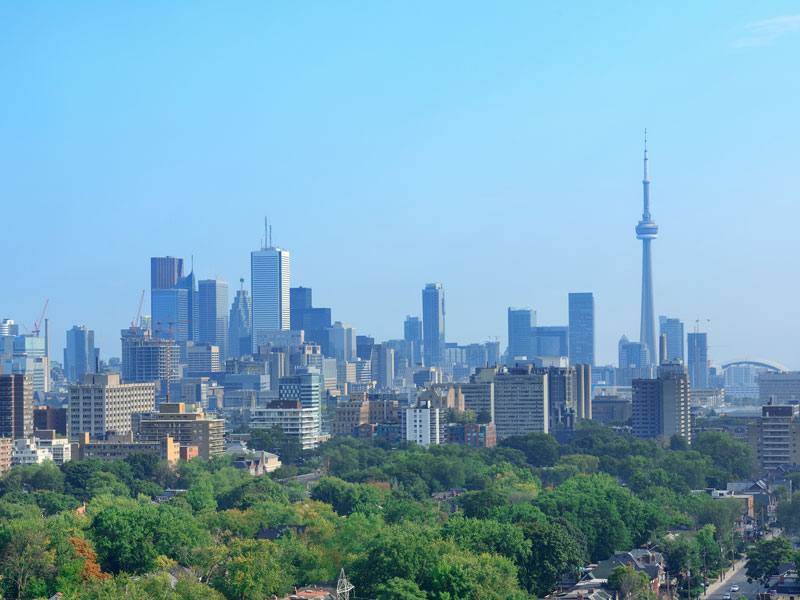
524	145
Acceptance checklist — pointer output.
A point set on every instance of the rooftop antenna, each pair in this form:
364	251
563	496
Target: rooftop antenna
270	236
266	234
241	281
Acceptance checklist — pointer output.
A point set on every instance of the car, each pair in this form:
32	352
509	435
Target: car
734	588
726	596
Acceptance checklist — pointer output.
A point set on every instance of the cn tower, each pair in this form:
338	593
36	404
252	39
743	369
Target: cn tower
647	231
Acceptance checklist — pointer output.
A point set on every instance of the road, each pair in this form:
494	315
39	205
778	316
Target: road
745	589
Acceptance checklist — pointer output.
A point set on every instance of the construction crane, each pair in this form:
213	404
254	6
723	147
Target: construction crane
37	326
134	323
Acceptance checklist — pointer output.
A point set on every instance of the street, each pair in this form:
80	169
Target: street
745	589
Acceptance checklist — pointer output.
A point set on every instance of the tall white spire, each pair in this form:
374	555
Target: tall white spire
647	231
646	183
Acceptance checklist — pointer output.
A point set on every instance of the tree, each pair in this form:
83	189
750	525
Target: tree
27	557
487	536
91	569
101	482
274	440
726	452
143	465
250	571
130	535
201	495
707	548
348	498
721	513
680	554
678	443
480	504
407	551
553	552
450	582
399	589
629	582
789	514
540	449
53	503
763	560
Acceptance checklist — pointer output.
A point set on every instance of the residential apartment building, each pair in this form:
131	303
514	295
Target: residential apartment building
186	428
59	446
424	425
661	406
359	409
292	417
521	401
101	403
774	437
16	406
120	446
5	454
471	435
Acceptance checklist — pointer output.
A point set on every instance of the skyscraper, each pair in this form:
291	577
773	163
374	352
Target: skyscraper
552	340
79	353
213	311
698	359
412	329
581	328
313	321
300	298
240	342
342	342
191	325
433	324
269	281
382	364
647	231
170	312
673	329
412	335
164	272
520	340
634	361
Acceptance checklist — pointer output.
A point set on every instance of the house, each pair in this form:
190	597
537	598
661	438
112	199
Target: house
308	594
641	559
785	588
167	495
588	589
448	497
258	464
763	495
275	533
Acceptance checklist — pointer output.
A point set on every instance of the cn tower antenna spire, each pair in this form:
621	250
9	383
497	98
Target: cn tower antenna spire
647	231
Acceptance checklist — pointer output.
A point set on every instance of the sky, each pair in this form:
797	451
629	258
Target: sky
493	147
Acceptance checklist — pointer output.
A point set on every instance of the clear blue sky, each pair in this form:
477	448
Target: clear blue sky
495	147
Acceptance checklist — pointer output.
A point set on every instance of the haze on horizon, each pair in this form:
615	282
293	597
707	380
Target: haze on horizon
494	148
